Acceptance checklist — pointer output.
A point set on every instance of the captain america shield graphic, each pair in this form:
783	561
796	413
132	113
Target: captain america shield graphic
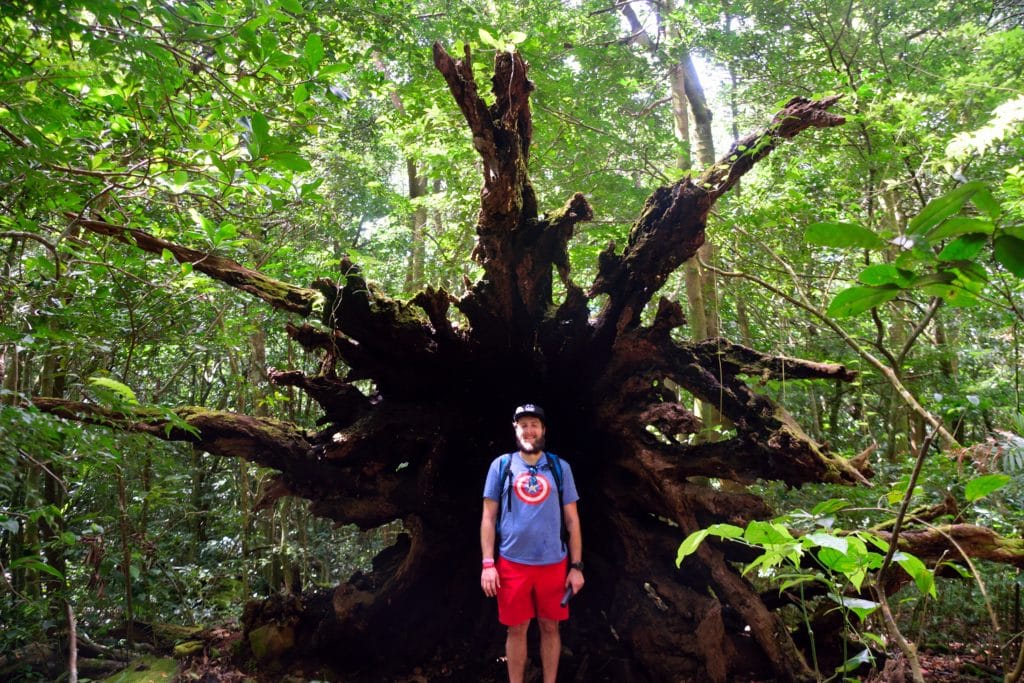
531	489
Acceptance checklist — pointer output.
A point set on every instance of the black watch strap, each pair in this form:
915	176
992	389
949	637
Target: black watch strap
577	566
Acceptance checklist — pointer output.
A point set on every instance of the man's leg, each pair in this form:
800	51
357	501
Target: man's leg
515	652
550	648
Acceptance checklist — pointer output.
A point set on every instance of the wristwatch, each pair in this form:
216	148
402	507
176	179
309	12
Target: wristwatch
578	566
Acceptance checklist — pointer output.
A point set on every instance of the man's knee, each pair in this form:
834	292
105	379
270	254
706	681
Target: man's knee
548	625
519	630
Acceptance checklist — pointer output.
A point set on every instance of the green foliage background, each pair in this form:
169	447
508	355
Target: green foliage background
280	134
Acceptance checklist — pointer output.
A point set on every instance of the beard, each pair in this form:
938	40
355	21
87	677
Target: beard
530	448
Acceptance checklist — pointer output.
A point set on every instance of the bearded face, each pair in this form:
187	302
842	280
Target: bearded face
530	435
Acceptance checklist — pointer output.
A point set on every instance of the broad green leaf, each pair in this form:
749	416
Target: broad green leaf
982	486
885	274
859	606
179	182
517	37
843	236
1009	252
917	570
35	564
313	51
952	294
789	580
876	541
969	271
837	561
487	39
291	161
725	530
963	248
855	662
293	6
941	208
260	129
827	507
690	545
837	543
766	533
987	203
692	541
300	94
961	225
856	300
121	391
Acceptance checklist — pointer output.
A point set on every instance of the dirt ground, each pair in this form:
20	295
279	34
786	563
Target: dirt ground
964	663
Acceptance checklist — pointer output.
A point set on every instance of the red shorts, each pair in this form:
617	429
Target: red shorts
529	591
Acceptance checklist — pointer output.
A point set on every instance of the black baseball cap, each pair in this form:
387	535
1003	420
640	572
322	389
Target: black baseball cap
528	409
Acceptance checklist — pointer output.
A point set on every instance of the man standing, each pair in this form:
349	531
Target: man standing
529	499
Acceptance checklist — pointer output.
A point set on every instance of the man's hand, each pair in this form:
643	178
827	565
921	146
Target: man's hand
575	579
489	581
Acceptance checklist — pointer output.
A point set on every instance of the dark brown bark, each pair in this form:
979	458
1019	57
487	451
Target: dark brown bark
417	450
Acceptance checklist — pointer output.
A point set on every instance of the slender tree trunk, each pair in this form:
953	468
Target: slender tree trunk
124	524
418	224
200	509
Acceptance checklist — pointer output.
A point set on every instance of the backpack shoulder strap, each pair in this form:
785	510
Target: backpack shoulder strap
505	473
556	469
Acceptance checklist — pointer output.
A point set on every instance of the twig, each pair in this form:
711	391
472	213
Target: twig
908	649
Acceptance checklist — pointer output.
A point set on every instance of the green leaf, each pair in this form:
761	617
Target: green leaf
487	39
313	51
859	606
987	203
517	37
982	486
827	507
293	6
971	272
35	564
855	662
885	274
766	533
856	300
963	248
260	129
952	294
961	225
843	236
690	545
824	540
789	580
1009	252
694	540
291	161
917	570
114	389
941	208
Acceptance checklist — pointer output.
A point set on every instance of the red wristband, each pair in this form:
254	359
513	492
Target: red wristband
488	563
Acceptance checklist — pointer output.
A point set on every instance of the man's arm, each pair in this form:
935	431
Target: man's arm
572	525
488	575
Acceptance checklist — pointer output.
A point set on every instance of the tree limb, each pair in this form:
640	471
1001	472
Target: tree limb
670	229
278	294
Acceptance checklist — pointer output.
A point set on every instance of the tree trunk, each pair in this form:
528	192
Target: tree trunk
418	224
416	451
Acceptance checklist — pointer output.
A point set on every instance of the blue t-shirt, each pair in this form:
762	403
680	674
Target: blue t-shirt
530	533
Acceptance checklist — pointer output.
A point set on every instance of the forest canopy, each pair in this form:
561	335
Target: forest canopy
765	267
